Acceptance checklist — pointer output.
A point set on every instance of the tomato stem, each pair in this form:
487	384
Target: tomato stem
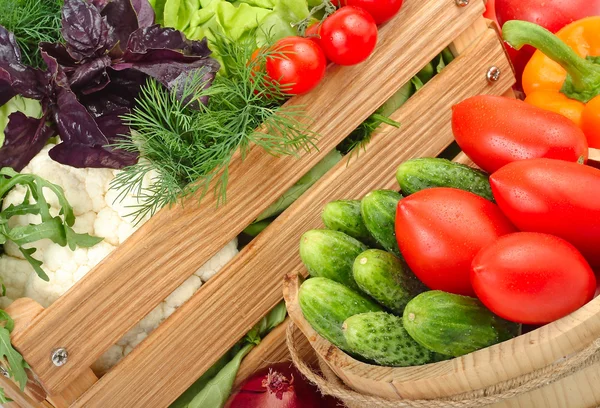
325	5
583	81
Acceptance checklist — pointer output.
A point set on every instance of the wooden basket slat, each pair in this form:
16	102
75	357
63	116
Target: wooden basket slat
145	269
249	286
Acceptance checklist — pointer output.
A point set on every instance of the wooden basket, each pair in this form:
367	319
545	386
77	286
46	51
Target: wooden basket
483	368
169	248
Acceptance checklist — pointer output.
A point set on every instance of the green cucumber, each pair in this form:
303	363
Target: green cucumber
379	337
378	209
326	304
386	279
344	216
427	172
330	254
454	325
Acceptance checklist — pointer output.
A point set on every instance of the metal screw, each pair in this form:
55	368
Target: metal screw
4	372
59	357
493	74
462	3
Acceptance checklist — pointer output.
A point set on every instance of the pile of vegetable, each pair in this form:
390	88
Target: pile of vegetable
459	259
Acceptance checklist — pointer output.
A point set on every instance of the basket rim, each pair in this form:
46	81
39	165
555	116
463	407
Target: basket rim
555	340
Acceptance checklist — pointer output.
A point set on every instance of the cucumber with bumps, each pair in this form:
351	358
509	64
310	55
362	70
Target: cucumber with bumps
454	325
427	172
378	209
330	254
326	304
386	278
379	337
345	216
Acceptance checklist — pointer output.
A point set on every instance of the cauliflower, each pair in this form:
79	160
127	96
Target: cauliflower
97	213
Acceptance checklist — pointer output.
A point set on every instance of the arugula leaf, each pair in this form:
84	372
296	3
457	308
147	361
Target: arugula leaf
80	240
3	398
16	365
21	209
35	264
26	234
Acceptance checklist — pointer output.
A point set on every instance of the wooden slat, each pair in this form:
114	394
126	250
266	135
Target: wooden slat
191	340
13	392
160	256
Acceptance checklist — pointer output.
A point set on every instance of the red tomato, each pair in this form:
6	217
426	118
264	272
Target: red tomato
532	278
380	10
348	36
494	131
299	67
439	232
554	197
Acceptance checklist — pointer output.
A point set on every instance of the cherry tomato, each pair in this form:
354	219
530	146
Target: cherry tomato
494	131
532	278
554	197
380	10
348	36
439	232
298	67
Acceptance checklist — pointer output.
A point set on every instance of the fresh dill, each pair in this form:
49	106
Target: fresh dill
32	22
188	151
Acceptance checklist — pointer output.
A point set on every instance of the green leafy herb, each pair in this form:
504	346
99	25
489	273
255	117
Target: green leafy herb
3	398
58	228
188	150
14	364
32	22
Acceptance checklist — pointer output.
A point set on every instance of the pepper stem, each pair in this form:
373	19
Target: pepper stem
583	81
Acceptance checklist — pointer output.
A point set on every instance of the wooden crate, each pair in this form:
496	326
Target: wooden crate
166	250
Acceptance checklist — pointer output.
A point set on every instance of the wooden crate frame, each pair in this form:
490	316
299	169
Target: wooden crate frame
145	269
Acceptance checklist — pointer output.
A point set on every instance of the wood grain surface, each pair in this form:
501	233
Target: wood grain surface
145	269
249	286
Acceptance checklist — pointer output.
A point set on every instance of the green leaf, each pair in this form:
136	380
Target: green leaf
3	290
16	365
3	398
218	389
51	229
37	265
9	323
417	83
275	317
21	209
80	240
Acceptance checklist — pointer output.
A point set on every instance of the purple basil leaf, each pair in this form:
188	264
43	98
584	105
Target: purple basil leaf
73	121
83	156
10	53
16	78
154	38
83	142
121	16
112	125
144	11
24	138
84	29
91	74
58	52
118	95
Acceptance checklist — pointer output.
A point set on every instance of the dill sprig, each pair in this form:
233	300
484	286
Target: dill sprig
188	151
32	22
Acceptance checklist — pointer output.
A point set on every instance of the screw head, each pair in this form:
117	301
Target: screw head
493	74
462	3
59	357
4	372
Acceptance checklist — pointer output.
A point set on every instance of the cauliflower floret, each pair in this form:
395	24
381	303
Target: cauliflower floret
98	212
